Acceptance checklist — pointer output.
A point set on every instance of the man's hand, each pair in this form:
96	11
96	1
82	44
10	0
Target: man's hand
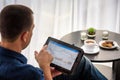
55	72
43	57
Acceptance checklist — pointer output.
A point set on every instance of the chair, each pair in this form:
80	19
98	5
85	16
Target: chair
106	71
118	71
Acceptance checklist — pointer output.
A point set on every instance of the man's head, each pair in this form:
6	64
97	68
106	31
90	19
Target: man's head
16	21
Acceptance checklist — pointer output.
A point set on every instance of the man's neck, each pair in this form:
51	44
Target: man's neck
14	46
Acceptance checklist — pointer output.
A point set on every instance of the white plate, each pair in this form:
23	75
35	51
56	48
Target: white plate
95	51
101	42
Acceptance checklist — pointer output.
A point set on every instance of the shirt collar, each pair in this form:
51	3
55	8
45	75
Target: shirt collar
4	52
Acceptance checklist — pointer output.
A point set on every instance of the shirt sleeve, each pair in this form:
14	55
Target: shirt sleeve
37	73
40	72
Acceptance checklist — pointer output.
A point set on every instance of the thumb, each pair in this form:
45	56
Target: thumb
36	53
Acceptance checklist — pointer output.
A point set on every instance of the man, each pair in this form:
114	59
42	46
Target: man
16	26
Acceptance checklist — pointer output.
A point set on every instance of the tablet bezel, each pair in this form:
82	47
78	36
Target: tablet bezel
77	61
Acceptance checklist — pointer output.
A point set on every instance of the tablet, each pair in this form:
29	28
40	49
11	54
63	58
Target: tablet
66	57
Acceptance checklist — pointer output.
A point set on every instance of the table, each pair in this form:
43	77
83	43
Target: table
104	55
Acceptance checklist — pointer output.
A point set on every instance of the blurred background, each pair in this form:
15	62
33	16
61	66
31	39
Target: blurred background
57	18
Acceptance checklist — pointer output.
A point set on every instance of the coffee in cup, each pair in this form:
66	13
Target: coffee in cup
90	44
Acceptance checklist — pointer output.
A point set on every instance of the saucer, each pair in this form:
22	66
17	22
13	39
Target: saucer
95	51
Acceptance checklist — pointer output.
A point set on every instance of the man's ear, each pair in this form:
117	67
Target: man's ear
24	36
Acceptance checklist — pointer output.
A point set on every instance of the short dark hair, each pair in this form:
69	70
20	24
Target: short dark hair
14	19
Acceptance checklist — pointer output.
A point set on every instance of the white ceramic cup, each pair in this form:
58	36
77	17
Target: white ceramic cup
90	44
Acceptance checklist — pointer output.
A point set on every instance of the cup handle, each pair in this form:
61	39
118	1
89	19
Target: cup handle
96	45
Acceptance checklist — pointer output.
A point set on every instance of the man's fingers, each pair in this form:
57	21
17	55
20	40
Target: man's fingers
36	53
52	68
45	47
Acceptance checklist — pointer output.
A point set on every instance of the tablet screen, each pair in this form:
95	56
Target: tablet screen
63	55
